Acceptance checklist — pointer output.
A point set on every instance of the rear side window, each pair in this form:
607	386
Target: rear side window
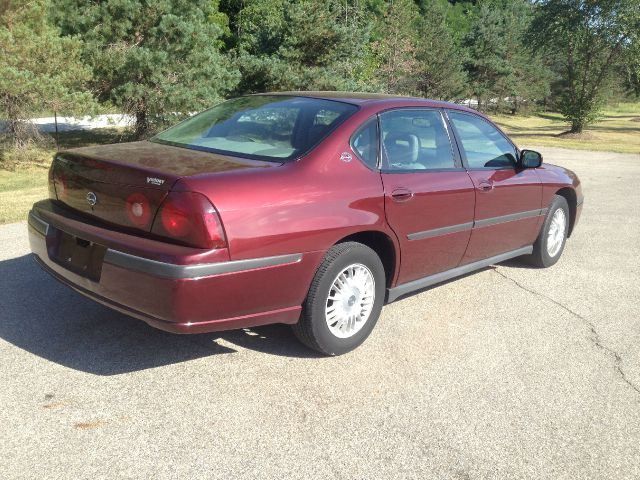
266	127
483	144
415	139
365	143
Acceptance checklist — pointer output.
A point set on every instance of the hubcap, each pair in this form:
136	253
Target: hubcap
555	236
350	301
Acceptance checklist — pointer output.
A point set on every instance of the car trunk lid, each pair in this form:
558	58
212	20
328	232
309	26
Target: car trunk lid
125	184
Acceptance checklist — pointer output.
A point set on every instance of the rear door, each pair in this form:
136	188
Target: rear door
508	199
429	198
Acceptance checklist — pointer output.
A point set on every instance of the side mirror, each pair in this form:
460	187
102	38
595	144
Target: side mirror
530	159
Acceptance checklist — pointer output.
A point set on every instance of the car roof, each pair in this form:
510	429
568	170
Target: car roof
364	98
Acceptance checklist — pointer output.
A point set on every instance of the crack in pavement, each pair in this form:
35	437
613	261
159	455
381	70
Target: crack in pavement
595	336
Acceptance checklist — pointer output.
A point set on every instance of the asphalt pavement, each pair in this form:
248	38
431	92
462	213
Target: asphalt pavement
508	373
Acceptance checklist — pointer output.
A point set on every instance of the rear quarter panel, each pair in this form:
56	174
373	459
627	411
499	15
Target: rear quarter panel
303	206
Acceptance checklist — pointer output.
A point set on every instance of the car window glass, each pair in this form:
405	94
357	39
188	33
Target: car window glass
483	144
365	143
268	127
415	140
325	117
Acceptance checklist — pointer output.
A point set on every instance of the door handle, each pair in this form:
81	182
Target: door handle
485	186
401	194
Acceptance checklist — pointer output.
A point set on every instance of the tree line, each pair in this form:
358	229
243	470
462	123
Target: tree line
158	60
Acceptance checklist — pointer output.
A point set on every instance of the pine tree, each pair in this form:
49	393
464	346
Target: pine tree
500	64
439	74
38	69
397	46
300	44
416	52
156	60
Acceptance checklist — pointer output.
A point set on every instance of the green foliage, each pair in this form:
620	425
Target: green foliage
500	64
163	59
589	37
157	60
631	69
301	44
440	72
458	16
414	50
38	69
396	49
221	20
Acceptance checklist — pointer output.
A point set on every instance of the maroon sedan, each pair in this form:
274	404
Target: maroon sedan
312	209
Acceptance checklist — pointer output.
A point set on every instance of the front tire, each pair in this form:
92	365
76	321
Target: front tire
550	243
344	300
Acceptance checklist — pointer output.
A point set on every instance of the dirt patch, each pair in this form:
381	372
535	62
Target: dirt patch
636	119
577	136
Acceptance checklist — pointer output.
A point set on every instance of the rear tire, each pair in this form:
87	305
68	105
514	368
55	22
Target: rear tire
344	300
550	243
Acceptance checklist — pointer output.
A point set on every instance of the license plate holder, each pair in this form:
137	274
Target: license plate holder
80	256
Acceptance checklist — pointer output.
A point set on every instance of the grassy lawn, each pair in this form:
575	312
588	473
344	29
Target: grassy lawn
19	189
617	131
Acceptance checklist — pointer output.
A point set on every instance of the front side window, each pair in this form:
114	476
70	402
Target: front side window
265	127
415	140
483	144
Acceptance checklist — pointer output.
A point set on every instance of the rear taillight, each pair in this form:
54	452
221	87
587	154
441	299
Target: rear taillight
190	218
138	210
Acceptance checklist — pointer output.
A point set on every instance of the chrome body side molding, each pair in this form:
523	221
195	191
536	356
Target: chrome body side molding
441	231
485	222
509	218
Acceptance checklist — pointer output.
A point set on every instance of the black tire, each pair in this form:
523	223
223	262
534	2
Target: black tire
540	256
312	329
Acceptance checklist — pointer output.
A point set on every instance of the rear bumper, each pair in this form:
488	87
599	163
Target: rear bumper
179	295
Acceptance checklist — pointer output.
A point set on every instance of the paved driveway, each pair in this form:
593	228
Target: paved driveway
509	373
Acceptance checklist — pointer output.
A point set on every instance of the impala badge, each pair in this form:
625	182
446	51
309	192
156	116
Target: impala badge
155	181
92	199
345	157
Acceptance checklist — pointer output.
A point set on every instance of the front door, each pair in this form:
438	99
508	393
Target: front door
508	199
429	198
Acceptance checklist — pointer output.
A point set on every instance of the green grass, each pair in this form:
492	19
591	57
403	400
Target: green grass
625	107
617	131
19	189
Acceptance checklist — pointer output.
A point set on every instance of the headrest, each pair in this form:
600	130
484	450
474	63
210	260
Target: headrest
402	147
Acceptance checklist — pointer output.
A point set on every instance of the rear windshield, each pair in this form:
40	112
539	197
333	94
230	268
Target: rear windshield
265	127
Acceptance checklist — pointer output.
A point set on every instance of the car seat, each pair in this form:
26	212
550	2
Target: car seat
402	151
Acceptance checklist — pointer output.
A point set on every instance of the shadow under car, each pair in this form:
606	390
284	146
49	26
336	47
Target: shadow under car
52	321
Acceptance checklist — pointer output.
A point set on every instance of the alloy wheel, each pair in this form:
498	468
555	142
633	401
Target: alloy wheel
557	228
350	301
